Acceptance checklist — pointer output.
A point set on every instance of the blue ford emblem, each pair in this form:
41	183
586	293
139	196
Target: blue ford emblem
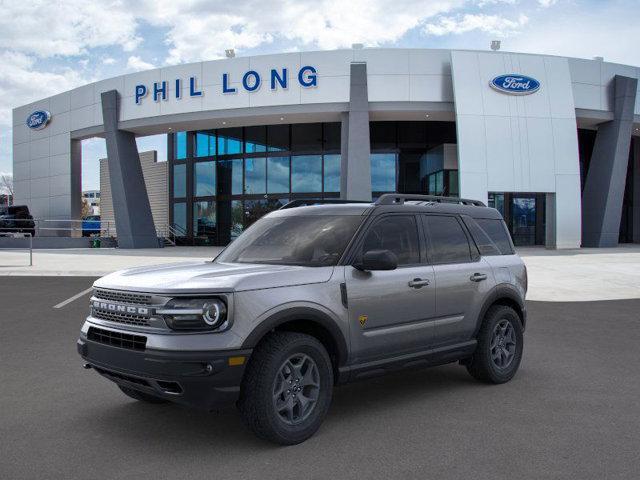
38	119
515	84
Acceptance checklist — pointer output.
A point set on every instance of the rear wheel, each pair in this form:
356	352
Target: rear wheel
500	345
287	388
141	396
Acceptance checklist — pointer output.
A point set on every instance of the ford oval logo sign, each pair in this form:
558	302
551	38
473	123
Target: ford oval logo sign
515	84
38	119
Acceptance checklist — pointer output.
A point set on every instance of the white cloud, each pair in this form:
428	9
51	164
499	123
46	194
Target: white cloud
547	3
108	61
135	63
491	24
46	28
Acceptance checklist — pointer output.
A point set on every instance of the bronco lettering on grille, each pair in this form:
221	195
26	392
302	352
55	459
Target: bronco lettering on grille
117	308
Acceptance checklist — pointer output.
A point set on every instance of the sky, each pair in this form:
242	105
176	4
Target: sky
48	47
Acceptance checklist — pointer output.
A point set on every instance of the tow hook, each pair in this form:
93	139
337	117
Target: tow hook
86	366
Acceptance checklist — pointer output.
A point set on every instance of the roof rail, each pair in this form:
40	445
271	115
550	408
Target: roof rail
303	202
400	198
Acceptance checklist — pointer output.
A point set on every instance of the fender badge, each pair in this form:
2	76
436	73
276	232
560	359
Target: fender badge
363	319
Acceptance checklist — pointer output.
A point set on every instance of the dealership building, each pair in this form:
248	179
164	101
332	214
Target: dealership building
552	142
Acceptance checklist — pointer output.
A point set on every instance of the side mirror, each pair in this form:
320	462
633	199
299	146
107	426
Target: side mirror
378	260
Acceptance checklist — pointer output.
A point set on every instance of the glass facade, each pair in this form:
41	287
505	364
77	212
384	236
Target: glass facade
224	180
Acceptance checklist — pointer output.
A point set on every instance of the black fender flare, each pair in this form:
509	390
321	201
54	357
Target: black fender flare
500	292
305	314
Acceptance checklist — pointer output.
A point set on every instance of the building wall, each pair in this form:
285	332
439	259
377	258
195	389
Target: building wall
156	181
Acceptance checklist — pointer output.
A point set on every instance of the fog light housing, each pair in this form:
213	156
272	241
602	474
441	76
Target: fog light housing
195	314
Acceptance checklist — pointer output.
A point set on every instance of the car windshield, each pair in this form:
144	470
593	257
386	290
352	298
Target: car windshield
310	241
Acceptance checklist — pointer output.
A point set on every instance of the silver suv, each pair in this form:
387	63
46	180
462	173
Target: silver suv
311	296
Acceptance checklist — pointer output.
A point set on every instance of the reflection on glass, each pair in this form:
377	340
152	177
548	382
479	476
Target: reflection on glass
229	141
237	218
180	218
278	137
523	220
205	144
255	175
253	210
180	180
383	172
230	177
204	179
332	173
306	173
204	219
180	146
278	175
255	139
331	133
496	200
454	190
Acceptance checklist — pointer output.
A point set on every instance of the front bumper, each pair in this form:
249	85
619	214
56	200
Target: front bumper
204	380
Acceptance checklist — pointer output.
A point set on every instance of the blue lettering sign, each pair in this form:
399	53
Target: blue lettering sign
275	77
157	90
141	92
192	88
225	84
251	86
310	80
515	84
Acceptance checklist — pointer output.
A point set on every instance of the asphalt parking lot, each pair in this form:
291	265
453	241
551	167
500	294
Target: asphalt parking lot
573	410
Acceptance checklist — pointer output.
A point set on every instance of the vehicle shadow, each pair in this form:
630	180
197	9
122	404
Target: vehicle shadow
168	425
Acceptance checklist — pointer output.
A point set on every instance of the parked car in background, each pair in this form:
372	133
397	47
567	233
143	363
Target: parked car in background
17	219
91	225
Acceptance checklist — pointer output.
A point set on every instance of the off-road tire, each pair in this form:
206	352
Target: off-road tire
256	403
481	366
141	396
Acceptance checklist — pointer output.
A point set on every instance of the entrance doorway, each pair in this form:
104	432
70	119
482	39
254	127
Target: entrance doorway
524	214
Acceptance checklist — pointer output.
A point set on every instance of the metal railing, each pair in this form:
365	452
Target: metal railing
54	228
20	235
171	233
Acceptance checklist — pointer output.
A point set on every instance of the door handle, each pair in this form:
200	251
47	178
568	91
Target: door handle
478	277
418	283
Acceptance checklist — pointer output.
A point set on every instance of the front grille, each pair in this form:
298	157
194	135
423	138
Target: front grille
123	297
126	318
117	339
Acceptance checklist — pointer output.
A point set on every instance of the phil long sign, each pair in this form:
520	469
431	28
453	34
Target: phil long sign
515	84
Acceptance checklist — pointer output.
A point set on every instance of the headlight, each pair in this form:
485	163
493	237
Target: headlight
195	314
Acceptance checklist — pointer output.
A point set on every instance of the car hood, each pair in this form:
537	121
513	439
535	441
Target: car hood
209	277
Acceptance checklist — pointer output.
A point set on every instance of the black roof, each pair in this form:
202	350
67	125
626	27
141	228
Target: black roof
391	202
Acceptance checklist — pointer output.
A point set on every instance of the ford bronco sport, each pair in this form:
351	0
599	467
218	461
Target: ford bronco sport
312	295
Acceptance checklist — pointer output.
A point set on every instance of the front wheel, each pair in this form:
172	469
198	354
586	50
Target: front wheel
500	345
287	388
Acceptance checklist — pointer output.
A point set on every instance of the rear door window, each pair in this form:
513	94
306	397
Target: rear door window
448	243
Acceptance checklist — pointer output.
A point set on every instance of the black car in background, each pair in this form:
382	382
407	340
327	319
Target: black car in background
17	219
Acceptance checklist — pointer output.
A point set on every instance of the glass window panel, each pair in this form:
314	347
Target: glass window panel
412	134
306	137
255	139
180	218
454	191
448	243
205	144
278	138
237	218
332	136
230	177
383	172
255	175
179	180
253	210
230	141
306	173
332	173
180	146
396	233
204	179
204	219
383	135
278	175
